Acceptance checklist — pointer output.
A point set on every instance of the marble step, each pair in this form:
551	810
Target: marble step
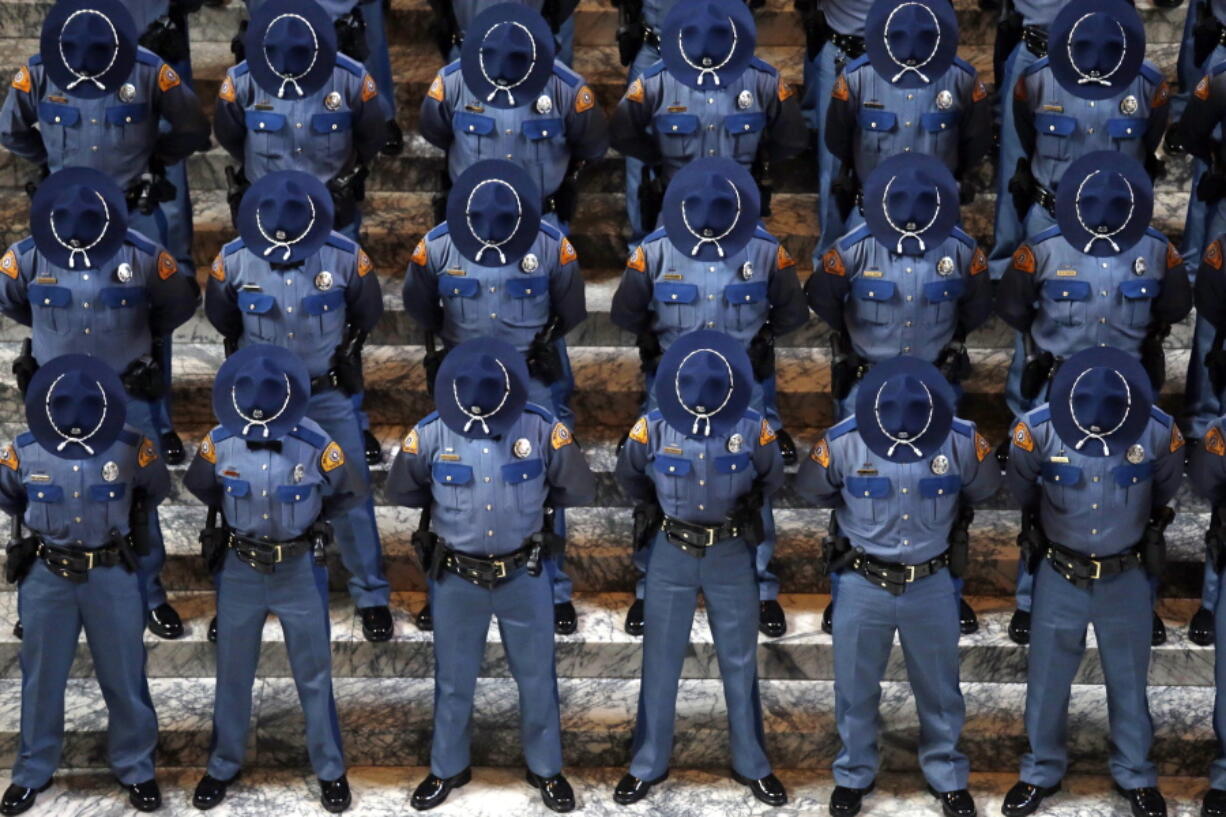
387	722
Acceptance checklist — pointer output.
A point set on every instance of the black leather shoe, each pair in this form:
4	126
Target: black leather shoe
18	798
18	632
334	795
376	622
828	619
374	451
957	803
634	618
771	620
1144	802
1025	799
556	793
968	622
565	619
394	146
1202	630
787	448
767	789
631	789
845	801
1214	804
1158	635
1019	627
209	792
164	622
433	790
212	635
172	448
145	796
424	619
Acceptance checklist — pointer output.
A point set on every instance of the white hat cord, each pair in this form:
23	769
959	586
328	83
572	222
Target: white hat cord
496	246
275	242
1109	237
903	439
292	79
500	85
80	77
255	419
913	68
475	414
712	239
70	438
713	70
1090	79
904	234
1090	433
73	245
699	414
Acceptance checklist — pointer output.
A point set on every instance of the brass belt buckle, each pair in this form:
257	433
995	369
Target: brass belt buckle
280	555
909	574
1098	569
89	560
710	537
500	569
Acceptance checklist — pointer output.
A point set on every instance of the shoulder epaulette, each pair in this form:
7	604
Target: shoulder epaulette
1036	66
26	244
856	64
655	235
841	428
24	438
551	231
761	232
341	243
439	232
309	437
1156	233
1039	416
854	237
220	433
146	56
764	66
566	75
655	414
1150	72
964	65
35	59
964	427
140	242
752	416
233	246
350	64
450	68
241	69
1160	415
129	437
429	418
540	411
1044	235
958	235
653	69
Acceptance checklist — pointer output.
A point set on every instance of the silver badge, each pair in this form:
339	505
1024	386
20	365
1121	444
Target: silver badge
529	263
945	100
706	62
544	104
1128	105
323	281
707	232
124	273
911	226
299	473
945	266
127	92
110	471
735	443
1136	454
940	465
746	271
522	448
280	235
258	414
1138	266
744	99
333	101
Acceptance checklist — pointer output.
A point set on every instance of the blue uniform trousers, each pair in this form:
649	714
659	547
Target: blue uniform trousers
141	415
1217	772
1009	230
355	531
1204	223
296	592
647	56
926	620
462	610
820	76
726	578
1119	610
379	63
53	612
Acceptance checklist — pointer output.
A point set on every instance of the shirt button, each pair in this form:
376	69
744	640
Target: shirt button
93	121
907	124
702	507
489	533
710	127
289	309
906	348
75	468
127	119
906	516
93	147
1094	531
906	541
265	516
1091	104
291	335
702	483
910	96
76	494
1104	265
489	507
711	152
263	493
710	101
1094	507
297	150
264	467
85	276
85	305
485	451
907	324
487	479
41	494
493	315
910	298
289	282
1102	320
710	269
1096	479
908	269
77	520
1090	131
87	330
57	120
906	490
492	289
710	297
710	324
1103	292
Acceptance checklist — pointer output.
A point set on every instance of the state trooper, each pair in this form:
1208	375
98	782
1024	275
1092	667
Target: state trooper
1093	471
908	281
901	474
712	266
274	479
1100	276
486	449
85	283
452	20
909	93
699	466
1094	91
77	479
290	280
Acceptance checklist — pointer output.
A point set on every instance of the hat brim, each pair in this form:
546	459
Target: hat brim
733	351
879	56
270	81
470	55
1108	357
125	57
742	53
44	203
1134	47
1107	161
943	400
459	359
309	244
36	406
299	387
948	215
518	179
693	177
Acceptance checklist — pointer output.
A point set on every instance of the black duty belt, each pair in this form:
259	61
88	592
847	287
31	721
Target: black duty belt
1035	38
1045	198
325	382
1082	571
75	565
696	539
895	576
484	571
265	556
849	44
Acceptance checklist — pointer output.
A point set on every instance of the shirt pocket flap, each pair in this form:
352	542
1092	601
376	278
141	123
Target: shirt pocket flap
476	124
324	302
944	485
109	492
941	291
1066	290
126	114
676	124
289	494
1127	475
56	114
1140	289
732	463
522	471
874	120
457	286
751	122
332	122
48	295
452	473
236	487
538	129
937	121
528	287
257	303
670	292
751	292
672	466
872	289
265	121
121	297
1054	124
1059	473
1125	128
869	487
43	492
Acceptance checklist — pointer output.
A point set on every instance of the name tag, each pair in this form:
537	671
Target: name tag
252	288
874	105
230	472
1060	459
46	279
1066	273
458	272
671	449
40	477
677	108
263	106
873	273
449	457
475	108
673	276
866	472
63	100
1053	108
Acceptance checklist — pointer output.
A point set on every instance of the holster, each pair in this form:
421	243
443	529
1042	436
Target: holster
1031	540
1008	35
1153	541
347	363
845	190
761	171
25	366
960	541
1022	188
544	544
438	201
351	34
647	520
432	360
565	200
31	185
650	352
320	535
426	545
762	353
1153	355
1212	185
747	516
1039	366
347	191
629	29
130	548
144	378
236	186
837	552
149	190
845	366
443	29
214	540
19	553
954	361
651	197
544	358
139	514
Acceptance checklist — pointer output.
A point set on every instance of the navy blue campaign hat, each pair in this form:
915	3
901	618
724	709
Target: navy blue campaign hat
904	409
291	47
708	44
494	212
481	388
911	43
507	55
1104	203
261	392
285	216
703	383
1100	401
911	203
78	218
88	46
1096	47
76	406
711	208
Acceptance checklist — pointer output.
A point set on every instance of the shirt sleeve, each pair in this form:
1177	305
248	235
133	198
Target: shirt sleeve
370	120
201	477
152	477
1207	466
632	463
1168	467
420	290
567	295
436	111
628	129
178	105
788	310
14	287
1174	300
981	477
1022	473
841	125
1210	292
974	127
343	488
408	481
631	306
975	306
12	489
1023	121
229	119
364	295
571	483
587	132
788	134
1159	114
173	295
221	302
1017	291
827	288
768	460
19	116
819	478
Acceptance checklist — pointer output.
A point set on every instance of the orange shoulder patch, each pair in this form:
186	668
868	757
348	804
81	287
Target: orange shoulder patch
980	91
332	457
637	92
228	92
1213	254
412	442
9	458
784	91
832	263
766	434
637	260
208	452
1173	258
365	265
560	436
1024	260
1215	443
9	265
639	432
979	261
783	258
167	78
1022	437
167	265
821	453
1202	88
1162	95
842	91
370	89
147	452
585	100
1177	440
420	254
436	88
22	80
218	270
566	252
982	446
